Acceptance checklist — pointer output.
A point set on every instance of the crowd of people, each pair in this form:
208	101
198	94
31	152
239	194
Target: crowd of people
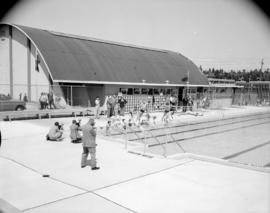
51	101
85	134
46	101
23	98
187	103
115	105
140	117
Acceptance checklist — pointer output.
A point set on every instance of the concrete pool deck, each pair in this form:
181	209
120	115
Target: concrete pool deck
125	182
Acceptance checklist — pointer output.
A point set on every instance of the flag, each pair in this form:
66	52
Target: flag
186	78
37	61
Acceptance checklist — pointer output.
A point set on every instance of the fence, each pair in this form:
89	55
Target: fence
83	96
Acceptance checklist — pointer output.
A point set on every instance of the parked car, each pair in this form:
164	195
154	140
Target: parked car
9	104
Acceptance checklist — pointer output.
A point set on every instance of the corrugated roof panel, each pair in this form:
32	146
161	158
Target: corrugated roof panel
82	59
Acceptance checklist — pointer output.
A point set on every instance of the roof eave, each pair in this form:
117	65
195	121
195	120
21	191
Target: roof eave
131	83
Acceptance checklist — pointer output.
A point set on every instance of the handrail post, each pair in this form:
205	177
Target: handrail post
144	140
166	141
126	138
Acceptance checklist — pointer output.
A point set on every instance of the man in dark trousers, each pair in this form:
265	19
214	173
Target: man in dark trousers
50	100
89	144
110	109
185	103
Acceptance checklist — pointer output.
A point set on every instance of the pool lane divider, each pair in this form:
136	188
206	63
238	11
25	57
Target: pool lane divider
246	150
196	129
208	134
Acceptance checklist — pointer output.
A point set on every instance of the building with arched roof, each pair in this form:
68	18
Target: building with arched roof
80	68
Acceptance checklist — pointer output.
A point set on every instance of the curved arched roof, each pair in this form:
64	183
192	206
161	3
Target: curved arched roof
81	59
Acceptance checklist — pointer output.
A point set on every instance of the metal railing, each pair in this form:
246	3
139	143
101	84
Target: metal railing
81	96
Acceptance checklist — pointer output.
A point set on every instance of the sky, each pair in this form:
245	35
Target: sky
224	34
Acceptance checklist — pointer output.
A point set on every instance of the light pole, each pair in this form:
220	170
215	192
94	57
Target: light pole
188	82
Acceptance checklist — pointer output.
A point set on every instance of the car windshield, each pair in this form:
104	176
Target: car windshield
4	97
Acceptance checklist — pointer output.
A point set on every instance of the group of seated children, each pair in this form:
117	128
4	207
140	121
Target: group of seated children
143	118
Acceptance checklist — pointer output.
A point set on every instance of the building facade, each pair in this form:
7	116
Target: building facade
78	69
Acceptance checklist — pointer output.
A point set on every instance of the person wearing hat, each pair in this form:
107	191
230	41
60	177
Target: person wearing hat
89	132
55	133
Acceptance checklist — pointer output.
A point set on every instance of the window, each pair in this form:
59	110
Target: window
150	91
130	91
156	91
174	92
137	91
162	92
168	91
144	91
123	90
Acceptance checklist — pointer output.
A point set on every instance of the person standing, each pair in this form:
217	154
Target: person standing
97	107
122	103
166	112
50	100
172	105
43	100
110	106
143	109
25	99
116	108
113	104
89	132
185	102
190	103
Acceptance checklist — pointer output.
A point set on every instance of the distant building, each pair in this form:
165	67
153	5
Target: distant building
222	92
258	91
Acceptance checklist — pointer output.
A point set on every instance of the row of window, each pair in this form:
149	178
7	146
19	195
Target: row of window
148	91
221	90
